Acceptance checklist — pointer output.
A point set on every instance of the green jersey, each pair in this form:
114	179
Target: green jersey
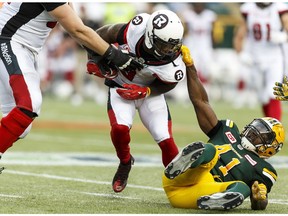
237	163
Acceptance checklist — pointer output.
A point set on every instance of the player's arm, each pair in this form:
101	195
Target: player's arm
135	92
84	35
87	37
206	116
284	19
258	197
239	36
159	87
110	32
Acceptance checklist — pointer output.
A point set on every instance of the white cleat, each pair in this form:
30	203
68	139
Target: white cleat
220	201
184	159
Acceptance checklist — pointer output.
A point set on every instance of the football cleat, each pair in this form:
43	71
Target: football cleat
184	159
220	201
121	176
1	169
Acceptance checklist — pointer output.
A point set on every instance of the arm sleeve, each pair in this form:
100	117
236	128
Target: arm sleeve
214	130
121	37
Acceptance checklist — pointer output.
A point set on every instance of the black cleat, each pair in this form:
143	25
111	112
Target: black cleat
121	176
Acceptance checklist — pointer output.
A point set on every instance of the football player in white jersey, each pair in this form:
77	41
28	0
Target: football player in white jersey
264	33
155	40
24	28
200	21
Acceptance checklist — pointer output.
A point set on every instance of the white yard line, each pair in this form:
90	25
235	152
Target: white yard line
275	201
108	195
10	196
76	179
75	159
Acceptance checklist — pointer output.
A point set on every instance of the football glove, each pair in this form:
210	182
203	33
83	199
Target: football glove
98	66
281	90
186	56
124	61
133	92
259	191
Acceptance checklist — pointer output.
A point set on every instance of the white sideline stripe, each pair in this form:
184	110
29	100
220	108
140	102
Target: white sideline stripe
99	159
10	196
108	195
77	179
75	159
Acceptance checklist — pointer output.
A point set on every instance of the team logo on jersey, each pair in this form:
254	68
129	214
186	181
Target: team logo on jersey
5	53
160	21
179	75
137	20
230	137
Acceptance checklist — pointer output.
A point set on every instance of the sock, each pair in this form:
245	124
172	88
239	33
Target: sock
12	126
273	109
240	187
120	136
169	150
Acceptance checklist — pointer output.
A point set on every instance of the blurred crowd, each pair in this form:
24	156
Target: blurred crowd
209	29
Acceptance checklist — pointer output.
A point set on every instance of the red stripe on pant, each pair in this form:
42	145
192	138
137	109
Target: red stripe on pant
20	92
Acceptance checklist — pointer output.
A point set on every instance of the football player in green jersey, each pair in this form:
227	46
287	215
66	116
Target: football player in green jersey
220	174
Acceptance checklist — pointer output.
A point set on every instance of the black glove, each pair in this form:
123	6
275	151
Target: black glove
122	60
99	66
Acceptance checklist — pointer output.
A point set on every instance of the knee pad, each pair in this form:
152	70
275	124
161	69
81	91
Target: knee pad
118	131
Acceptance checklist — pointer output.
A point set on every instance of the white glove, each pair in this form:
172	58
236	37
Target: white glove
278	37
246	59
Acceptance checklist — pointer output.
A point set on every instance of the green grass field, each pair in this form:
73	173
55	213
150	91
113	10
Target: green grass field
67	162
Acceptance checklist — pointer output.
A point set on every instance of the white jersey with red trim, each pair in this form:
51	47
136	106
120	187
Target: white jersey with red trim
168	72
27	23
261	23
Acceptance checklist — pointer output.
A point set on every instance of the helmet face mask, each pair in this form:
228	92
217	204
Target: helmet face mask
164	32
264	136
163	48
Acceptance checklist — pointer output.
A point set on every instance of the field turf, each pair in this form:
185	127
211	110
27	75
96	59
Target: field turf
67	162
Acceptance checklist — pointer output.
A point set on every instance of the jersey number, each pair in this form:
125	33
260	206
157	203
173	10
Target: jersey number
257	31
234	162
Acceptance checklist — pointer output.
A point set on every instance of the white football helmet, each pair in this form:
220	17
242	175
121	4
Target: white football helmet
264	136
164	33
